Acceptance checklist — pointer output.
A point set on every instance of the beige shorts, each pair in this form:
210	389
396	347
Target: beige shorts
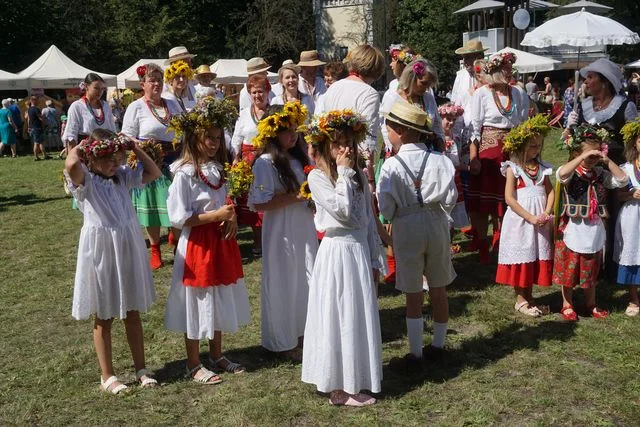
421	245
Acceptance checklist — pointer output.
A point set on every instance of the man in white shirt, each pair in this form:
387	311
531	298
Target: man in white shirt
258	66
204	76
531	87
309	82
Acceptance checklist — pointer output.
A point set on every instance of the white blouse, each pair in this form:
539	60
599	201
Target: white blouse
245	99
81	121
185	103
462	93
318	89
361	98
596	117
140	123
582	235
431	107
484	111
245	130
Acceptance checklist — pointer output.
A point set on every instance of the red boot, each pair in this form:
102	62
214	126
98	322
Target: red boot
171	240
156	257
495	243
483	248
391	277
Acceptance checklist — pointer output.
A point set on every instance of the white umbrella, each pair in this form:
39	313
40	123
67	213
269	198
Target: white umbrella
529	63
129	77
634	64
481	5
589	6
234	71
580	29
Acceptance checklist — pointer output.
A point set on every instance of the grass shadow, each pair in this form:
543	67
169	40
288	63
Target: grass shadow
479	352
26	200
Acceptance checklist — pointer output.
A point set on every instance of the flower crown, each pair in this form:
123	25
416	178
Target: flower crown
577	135
177	68
406	57
450	110
321	127
209	112
518	136
498	60
104	147
141	71
293	114
631	131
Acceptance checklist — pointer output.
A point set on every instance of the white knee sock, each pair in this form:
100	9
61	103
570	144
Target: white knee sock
415	327
439	334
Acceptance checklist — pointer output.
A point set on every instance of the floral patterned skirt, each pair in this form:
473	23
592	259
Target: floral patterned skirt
573	269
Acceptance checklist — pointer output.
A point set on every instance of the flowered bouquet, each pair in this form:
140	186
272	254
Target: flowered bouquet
177	68
631	131
498	60
152	148
239	178
519	135
209	112
103	148
293	114
579	134
305	191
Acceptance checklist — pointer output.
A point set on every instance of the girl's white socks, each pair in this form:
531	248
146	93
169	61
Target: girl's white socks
439	334
415	327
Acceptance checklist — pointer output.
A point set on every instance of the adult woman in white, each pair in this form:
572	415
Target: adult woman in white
414	85
177	77
148	118
289	75
88	113
289	241
495	108
243	149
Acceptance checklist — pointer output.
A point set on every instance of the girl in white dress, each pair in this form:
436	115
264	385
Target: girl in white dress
289	241
342	351
626	246
113	277
208	295
525	257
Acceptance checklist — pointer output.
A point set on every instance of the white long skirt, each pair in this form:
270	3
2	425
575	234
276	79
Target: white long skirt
342	345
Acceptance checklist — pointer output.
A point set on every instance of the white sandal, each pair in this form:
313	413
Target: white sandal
145	377
231	367
106	385
632	310
204	377
524	308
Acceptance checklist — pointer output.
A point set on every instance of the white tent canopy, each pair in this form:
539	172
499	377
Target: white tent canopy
529	63
129	77
589	6
10	81
54	70
234	71
634	64
481	5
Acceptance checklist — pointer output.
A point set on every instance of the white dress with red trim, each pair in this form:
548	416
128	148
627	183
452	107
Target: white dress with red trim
207	292
526	255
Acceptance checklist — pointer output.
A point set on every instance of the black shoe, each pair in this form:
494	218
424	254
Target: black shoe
406	365
433	354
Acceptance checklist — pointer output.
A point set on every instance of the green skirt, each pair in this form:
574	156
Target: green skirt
150	203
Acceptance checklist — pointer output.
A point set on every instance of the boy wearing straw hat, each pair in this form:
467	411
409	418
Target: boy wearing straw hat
416	192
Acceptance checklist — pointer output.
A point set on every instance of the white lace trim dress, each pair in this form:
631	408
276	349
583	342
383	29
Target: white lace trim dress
521	242
343	345
113	275
626	246
199	312
81	121
289	247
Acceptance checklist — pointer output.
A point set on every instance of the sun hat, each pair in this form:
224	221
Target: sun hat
204	69
309	58
177	53
287	62
257	65
410	116
608	69
472	46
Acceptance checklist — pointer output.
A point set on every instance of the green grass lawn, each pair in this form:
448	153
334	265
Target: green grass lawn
502	369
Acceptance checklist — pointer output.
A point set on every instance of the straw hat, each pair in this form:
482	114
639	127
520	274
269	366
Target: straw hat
407	115
472	46
257	65
177	53
204	69
608	69
309	58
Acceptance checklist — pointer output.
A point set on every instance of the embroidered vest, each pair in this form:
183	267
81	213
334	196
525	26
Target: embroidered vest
578	193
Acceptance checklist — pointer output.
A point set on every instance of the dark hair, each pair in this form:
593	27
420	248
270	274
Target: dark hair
631	152
92	77
192	151
279	156
336	69
608	84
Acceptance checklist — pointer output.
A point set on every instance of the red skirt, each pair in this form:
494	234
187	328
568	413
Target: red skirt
486	190
573	269
245	215
525	275
211	260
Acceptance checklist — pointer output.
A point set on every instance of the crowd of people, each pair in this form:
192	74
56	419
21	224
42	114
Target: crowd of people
334	213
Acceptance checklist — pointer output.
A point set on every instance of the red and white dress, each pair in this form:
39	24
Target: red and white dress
207	287
526	251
